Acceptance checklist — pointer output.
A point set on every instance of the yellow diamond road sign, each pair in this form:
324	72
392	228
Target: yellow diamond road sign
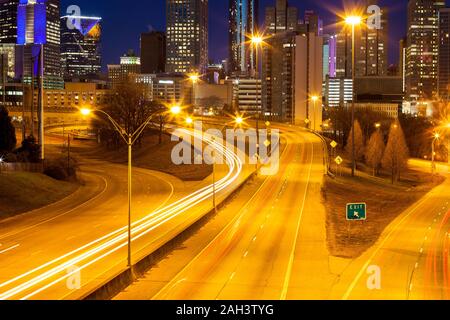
338	160
333	144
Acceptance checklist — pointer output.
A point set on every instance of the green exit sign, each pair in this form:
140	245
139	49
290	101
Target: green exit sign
356	211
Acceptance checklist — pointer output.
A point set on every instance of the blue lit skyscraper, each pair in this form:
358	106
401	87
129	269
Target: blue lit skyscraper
38	23
243	23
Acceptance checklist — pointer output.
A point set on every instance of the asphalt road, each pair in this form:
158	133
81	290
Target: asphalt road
75	245
411	256
277	235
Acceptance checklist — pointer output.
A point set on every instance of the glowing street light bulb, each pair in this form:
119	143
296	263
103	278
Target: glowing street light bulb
194	78
85	111
353	20
175	110
315	98
257	40
189	120
239	120
437	135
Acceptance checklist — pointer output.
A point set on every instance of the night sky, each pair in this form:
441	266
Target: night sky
123	21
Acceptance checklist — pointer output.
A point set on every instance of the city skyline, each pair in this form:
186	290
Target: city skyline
154	15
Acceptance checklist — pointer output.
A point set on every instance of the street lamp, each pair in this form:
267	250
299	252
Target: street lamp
130	139
238	120
175	110
433	153
194	78
257	42
378	125
314	100
353	21
189	121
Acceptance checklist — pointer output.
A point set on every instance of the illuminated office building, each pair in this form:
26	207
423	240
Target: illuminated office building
80	46
243	23
8	21
444	54
38	24
422	50
187	36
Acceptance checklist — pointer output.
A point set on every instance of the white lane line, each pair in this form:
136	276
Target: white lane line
288	274
9	249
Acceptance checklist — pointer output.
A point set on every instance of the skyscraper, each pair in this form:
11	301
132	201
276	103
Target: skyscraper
292	67
402	62
8	37
80	46
243	20
422	49
371	50
8	21
281	18
444	54
153	52
187	36
38	23
372	56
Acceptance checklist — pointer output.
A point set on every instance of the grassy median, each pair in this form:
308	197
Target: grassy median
24	191
385	202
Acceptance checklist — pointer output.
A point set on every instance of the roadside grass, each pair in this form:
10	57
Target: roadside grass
385	201
24	191
149	155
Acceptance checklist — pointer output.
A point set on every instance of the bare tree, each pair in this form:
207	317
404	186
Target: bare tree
128	106
396	155
375	151
359	142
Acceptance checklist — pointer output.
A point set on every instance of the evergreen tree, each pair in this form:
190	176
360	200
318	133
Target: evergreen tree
396	155
7	132
359	142
375	151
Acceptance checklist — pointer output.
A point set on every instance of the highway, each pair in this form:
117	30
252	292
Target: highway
412	254
41	259
279	233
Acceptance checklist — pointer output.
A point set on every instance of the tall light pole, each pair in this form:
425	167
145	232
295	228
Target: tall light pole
353	21
433	153
194	78
314	100
130	139
257	41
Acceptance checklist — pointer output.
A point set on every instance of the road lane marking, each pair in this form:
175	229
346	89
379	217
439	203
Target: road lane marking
287	278
9	249
383	242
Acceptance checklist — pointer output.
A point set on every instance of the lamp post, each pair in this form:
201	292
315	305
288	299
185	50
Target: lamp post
433	153
257	41
194	78
237	121
314	100
353	21
129	139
